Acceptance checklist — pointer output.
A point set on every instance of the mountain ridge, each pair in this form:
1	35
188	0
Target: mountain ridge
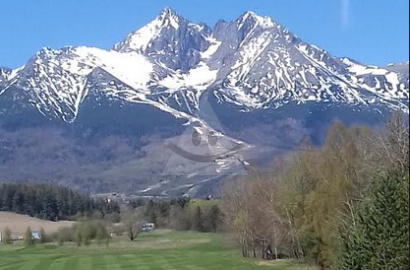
109	115
177	54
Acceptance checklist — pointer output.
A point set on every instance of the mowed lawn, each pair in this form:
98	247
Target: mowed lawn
170	251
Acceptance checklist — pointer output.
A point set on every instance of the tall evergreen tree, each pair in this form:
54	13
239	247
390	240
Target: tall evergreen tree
380	239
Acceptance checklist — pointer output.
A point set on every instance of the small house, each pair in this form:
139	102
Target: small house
35	235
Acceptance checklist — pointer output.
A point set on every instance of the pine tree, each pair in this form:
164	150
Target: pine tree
380	239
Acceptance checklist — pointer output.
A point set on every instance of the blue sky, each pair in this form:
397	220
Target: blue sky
371	31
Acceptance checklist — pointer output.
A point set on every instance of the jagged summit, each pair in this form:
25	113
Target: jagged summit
253	18
140	40
169	17
169	39
168	12
171	62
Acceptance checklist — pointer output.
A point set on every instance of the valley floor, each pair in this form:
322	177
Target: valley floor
157	251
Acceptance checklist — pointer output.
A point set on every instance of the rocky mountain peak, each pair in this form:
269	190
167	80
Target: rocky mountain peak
168	13
4	75
251	62
251	18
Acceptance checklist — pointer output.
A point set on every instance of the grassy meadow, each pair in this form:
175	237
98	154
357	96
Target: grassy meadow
156	251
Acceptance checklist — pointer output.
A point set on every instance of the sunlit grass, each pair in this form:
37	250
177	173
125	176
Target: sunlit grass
157	251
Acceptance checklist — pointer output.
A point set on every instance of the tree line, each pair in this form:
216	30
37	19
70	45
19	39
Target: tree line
180	214
50	202
81	233
343	205
55	203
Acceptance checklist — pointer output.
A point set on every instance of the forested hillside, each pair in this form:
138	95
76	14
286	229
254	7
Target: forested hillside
50	202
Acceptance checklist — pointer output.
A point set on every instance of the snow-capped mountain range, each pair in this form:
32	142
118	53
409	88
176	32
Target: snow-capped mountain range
250	66
251	62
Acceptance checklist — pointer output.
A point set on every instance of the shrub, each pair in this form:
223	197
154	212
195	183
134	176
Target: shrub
7	236
28	238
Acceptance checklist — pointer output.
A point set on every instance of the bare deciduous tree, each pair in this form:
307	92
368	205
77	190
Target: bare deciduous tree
249	210
133	221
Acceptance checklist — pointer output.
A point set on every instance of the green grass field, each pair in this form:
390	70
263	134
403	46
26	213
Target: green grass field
158	251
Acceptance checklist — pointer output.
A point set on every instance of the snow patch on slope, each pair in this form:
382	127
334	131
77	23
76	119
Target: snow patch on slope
131	68
140	40
13	74
213	48
199	78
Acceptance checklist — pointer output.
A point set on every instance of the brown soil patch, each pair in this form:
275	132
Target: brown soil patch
18	224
